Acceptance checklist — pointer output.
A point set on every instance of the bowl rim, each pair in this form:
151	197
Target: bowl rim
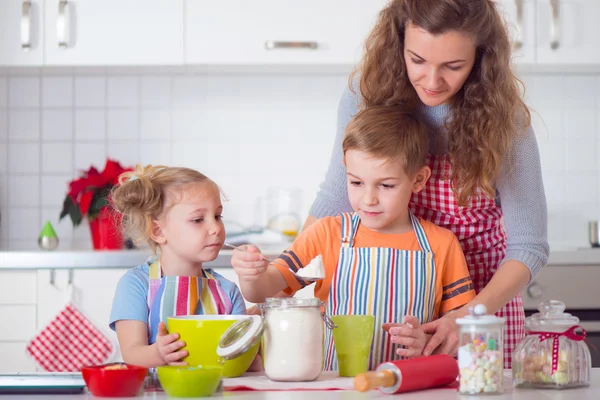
191	367
102	367
208	317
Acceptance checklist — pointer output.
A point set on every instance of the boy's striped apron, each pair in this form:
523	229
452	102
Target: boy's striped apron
183	295
384	282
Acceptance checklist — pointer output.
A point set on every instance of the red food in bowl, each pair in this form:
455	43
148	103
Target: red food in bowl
114	380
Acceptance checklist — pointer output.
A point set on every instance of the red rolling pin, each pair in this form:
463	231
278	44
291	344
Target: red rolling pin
409	375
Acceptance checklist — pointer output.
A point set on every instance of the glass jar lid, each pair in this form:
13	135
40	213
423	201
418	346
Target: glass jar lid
291	302
551	315
478	317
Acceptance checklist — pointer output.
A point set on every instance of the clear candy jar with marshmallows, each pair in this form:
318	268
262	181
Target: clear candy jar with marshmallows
553	354
480	352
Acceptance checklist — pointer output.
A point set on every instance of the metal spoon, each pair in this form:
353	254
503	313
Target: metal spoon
304	278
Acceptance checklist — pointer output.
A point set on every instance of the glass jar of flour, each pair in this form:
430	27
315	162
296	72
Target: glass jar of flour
292	331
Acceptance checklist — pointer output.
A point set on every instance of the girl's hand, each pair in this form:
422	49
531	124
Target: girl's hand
248	262
169	346
410	335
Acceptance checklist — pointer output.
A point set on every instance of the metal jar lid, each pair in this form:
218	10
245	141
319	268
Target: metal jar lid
240	337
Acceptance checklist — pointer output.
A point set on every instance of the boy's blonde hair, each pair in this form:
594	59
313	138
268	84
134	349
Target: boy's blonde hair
145	193
389	133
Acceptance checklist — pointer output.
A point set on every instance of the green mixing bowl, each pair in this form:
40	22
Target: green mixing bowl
202	333
189	381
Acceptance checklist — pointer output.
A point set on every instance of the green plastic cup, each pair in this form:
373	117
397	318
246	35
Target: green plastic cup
353	338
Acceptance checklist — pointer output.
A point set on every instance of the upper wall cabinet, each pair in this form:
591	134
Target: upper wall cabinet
520	19
278	31
21	32
568	31
113	32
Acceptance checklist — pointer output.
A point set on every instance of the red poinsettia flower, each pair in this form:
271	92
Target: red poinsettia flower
89	193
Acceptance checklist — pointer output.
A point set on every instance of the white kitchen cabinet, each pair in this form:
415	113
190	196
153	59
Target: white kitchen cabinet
21	26
278	32
113	32
568	31
18	300
520	19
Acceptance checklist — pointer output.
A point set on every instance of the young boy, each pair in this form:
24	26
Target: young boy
379	260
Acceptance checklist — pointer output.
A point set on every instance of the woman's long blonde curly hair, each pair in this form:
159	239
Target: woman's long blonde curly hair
486	114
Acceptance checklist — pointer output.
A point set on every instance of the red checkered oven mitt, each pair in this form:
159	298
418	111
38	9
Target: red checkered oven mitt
69	342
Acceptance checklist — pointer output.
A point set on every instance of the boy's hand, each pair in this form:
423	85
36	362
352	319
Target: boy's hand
410	335
169	346
248	262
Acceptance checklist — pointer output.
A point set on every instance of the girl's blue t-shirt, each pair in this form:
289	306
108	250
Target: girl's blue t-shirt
130	300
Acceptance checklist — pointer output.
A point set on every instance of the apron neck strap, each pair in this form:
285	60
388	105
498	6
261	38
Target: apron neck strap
350	223
155	272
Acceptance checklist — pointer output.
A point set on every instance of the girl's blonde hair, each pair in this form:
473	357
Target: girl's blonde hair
145	193
486	114
389	133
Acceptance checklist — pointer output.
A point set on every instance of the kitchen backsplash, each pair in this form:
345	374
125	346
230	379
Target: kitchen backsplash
246	132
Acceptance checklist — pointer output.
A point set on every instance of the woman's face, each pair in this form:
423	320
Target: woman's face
437	65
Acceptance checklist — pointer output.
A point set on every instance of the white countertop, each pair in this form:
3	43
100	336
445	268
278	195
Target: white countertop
123	259
588	393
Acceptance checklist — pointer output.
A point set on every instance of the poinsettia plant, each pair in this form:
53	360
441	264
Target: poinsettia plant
89	193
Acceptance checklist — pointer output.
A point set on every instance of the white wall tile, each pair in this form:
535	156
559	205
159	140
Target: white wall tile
24	125
156	92
155	124
3	158
24	92
3	92
57	125
3	124
90	154
24	158
188	91
555	186
579	92
156	153
123	92
582	154
57	91
187	125
582	189
90	91
123	124
24	224
57	158
3	193
579	123
24	191
54	189
90	125
126	153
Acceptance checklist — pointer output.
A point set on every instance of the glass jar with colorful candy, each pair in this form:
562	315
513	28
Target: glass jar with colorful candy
480	352
553	353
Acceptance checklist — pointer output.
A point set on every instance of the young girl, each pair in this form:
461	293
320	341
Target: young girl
179	212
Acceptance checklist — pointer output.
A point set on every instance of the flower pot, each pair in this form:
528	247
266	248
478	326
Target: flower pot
106	234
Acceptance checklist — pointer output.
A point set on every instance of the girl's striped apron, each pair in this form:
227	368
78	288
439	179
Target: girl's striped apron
183	295
384	282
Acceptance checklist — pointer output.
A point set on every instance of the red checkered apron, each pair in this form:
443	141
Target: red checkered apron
481	234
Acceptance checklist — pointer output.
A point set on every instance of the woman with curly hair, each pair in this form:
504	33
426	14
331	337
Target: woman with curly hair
449	62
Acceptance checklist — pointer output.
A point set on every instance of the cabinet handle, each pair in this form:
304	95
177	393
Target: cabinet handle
274	44
26	26
519	42
555	25
61	24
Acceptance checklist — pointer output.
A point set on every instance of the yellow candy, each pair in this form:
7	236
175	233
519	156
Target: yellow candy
560	378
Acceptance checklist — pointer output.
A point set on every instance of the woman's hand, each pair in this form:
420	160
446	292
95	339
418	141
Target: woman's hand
248	262
444	339
169	347
410	335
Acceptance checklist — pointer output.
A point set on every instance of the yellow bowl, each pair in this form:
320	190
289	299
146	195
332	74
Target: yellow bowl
189	381
201	334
